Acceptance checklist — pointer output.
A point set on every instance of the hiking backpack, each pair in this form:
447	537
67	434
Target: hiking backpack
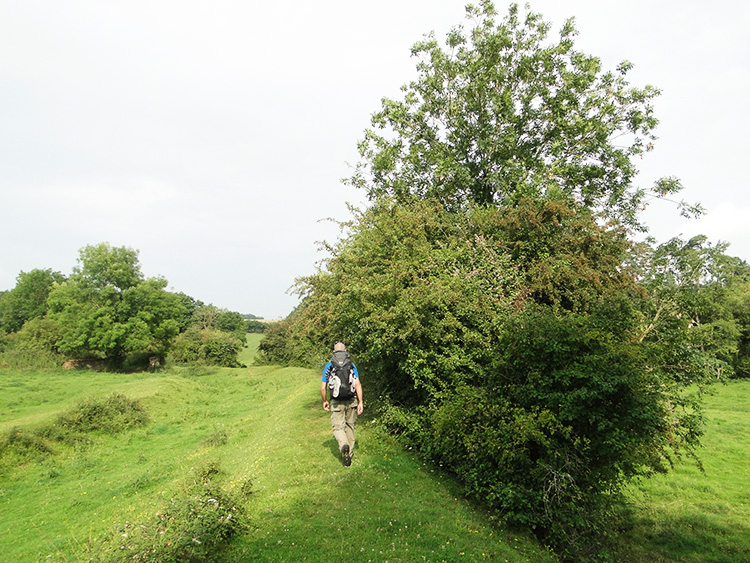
341	377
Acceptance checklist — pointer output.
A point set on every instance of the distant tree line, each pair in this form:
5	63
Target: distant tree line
257	327
107	314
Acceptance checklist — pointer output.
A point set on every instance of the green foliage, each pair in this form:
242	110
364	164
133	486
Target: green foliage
28	299
106	310
214	337
288	343
107	313
412	287
33	347
194	526
22	446
511	346
230	321
494	312
704	291
738	302
255	327
207	316
112	414
570	410
499	113
190	305
104	266
206	347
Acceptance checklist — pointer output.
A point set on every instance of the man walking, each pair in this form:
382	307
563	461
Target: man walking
340	376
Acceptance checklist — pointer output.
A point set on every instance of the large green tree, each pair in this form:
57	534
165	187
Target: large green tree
706	292
500	112
107	310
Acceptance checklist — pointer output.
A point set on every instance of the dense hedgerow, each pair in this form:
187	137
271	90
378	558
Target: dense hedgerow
514	347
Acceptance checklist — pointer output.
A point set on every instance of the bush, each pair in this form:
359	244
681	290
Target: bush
21	446
110	415
33	347
206	347
26	358
193	527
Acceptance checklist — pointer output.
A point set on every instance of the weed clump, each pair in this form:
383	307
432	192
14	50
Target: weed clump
219	437
197	522
109	415
24	446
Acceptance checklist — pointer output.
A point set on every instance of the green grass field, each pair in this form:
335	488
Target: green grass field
264	427
690	516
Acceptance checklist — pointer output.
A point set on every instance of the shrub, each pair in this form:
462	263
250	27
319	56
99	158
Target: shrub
193	527
33	347
206	347
20	446
109	415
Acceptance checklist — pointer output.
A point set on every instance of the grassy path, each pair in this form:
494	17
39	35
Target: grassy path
385	507
266	429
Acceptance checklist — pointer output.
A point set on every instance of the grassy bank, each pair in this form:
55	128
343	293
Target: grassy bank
266	431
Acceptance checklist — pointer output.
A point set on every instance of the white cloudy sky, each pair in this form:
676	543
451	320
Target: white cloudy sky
211	136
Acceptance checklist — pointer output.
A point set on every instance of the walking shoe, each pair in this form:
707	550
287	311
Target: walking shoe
346	455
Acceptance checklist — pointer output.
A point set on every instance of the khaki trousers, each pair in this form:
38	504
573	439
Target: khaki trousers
343	419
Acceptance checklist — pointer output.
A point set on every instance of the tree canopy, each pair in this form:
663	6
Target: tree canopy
107	314
28	299
500	113
107	310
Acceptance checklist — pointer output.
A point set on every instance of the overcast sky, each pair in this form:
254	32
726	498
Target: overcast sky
212	136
